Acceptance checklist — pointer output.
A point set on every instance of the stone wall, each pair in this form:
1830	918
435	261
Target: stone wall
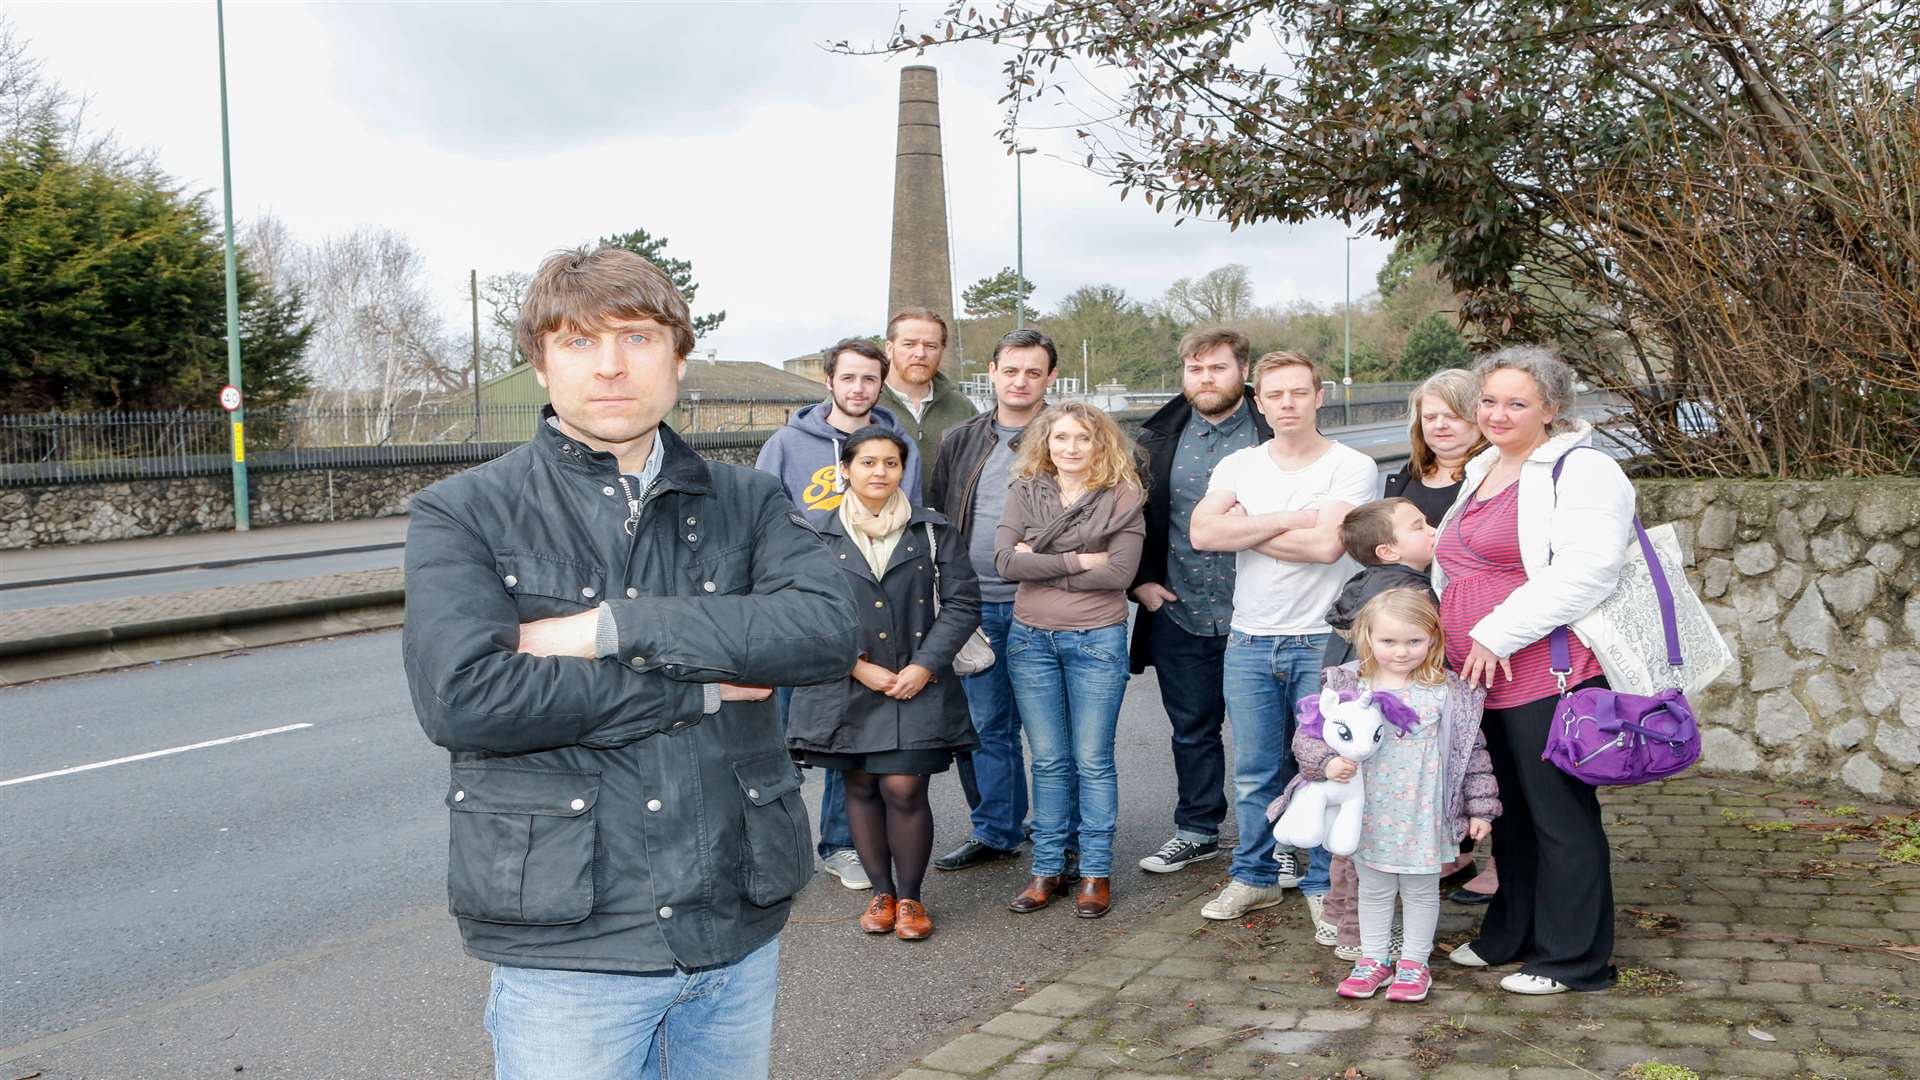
1814	586
89	513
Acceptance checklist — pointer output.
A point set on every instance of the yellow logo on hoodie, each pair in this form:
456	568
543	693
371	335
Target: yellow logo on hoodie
824	492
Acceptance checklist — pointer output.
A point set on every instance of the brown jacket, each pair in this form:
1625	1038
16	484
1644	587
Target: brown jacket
1057	591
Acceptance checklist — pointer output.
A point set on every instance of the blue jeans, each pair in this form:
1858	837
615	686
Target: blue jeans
999	765
835	833
714	1024
1070	684
1264	678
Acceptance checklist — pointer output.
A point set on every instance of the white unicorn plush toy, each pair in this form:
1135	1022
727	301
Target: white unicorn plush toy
1324	813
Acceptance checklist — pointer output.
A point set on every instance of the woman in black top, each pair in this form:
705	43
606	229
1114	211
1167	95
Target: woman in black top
901	715
1441	437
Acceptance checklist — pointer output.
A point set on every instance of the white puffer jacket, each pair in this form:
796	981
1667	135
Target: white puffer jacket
1587	528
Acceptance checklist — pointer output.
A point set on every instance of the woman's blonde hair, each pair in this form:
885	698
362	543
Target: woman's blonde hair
1112	461
1458	388
1415	608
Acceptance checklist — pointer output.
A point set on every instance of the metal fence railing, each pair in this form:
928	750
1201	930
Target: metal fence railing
70	448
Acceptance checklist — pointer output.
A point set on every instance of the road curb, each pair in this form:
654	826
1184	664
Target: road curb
211	620
202	564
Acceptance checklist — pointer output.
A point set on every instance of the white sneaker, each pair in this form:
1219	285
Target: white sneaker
1239	898
1324	932
845	865
1289	870
1531	984
1349	952
1466	957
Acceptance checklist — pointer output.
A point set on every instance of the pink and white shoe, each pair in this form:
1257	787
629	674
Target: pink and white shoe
1411	982
1367	977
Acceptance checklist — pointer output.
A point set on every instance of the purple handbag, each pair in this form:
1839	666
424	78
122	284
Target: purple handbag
1600	736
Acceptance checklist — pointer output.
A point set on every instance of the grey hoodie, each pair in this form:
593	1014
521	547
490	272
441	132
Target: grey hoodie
805	455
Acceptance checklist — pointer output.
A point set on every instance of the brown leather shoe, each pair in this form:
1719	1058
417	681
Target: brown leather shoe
880	915
1094	898
913	923
1039	892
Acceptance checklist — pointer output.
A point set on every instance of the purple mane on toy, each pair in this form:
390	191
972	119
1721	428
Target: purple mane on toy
1392	709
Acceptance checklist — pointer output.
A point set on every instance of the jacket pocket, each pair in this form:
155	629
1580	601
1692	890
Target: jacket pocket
521	844
726	573
777	858
543	586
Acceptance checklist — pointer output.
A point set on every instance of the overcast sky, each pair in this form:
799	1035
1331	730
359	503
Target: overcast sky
490	134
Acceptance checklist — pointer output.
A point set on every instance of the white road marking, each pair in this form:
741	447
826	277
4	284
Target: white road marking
152	754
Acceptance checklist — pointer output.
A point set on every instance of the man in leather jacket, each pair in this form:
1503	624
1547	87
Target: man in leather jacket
592	620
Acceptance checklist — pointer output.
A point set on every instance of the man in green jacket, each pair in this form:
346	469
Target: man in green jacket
925	401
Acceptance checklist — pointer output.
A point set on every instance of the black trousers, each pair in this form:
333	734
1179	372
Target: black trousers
1554	910
1189	668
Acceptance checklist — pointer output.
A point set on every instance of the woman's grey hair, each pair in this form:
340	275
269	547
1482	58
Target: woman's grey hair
1550	373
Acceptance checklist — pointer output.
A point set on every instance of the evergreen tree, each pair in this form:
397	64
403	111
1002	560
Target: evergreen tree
654	250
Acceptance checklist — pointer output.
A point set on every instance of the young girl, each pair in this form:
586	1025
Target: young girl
1427	788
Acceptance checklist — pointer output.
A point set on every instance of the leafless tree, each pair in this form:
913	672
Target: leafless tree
1222	294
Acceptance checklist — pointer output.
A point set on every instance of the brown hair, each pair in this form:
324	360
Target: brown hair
585	290
858	346
1415	608
1457	387
1206	338
921	313
1274	361
1112	461
1369	526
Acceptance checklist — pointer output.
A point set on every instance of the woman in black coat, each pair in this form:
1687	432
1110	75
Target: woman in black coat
901	716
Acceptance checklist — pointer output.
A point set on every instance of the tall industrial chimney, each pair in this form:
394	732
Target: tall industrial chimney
922	275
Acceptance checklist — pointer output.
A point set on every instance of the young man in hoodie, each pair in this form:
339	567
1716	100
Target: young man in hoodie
805	455
926	402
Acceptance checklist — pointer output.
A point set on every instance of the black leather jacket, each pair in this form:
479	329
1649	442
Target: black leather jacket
956	470
599	819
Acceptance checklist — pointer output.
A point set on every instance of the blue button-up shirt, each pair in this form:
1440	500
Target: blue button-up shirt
1203	580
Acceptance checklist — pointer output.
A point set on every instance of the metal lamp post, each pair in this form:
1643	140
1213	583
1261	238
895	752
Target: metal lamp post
1346	312
242	520
1019	241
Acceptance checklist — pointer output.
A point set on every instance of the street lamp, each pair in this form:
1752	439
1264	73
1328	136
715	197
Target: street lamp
1346	374
242	517
1019	242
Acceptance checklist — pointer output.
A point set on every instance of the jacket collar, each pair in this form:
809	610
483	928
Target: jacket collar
1172	416
683	470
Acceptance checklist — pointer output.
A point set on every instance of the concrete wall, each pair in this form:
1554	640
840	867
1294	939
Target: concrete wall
1814	586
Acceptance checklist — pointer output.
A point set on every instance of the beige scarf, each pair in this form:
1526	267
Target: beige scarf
876	534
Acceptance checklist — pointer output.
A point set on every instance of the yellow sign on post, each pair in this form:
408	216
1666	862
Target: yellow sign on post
239	441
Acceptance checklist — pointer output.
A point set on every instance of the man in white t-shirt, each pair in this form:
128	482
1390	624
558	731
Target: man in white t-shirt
1279	505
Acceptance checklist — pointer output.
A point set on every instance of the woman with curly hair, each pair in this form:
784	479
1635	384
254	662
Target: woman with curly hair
1071	535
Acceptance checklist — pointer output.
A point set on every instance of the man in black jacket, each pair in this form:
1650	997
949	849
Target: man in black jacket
592	620
969	486
1186	596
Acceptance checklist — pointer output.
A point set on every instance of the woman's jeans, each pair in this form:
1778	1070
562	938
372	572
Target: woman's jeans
1265	677
1069	685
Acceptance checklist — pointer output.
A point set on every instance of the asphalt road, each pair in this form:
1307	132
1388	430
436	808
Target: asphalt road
277	904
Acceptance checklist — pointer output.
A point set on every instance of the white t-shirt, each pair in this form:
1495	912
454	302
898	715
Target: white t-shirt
1271	597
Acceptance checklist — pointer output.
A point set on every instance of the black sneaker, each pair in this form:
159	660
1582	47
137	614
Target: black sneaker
1289	869
1177	853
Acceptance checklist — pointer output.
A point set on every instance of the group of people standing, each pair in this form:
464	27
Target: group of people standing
597	620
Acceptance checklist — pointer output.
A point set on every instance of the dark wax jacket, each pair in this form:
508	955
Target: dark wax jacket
897	628
1159	440
956	472
599	820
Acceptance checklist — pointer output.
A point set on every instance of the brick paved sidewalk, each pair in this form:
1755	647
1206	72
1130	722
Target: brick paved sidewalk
1754	940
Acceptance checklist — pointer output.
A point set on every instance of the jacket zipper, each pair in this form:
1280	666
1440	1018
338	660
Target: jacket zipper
634	508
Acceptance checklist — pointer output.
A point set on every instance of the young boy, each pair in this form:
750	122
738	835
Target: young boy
1392	540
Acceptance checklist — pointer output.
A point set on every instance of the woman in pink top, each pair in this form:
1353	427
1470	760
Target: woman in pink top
1518	555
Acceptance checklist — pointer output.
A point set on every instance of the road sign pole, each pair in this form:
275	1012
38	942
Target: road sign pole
242	519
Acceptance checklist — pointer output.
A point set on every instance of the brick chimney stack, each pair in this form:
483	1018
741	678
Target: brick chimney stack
921	274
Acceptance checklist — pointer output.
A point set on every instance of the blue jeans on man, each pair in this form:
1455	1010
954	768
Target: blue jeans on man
711	1024
999	764
1070	684
835	833
1189	668
1264	677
